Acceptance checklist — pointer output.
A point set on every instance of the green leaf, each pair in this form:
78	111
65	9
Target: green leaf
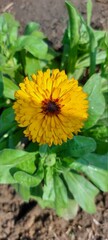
70	211
32	147
83	191
9	88
61	198
36	193
89	11
13	156
7	120
73	31
15	139
95	167
32	65
3	143
8	28
78	146
33	28
50	160
23	191
102	145
27	163
82	145
4	102
93	50
96	100
37	47
27	179
48	190
43	150
11	159
5	175
84	61
1	85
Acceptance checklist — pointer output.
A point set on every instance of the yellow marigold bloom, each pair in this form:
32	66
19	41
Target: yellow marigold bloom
51	107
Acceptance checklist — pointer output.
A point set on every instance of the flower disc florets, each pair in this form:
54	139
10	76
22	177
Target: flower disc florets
51	107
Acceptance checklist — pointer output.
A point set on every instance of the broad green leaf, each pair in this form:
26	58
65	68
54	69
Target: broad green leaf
96	100
36	193
11	159
99	34
27	163
61	198
83	191
51	54
18	158
23	191
81	145
33	28
78	146
78	73
7	120
2	60
27	179
48	189
1	85
37	47
105	88
9	88
84	61
32	64
95	167
9	27
70	211
10	156
5	175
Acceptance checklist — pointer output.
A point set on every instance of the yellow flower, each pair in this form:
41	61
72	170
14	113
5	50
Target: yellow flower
51	107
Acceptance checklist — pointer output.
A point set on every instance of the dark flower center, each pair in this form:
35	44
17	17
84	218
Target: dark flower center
51	107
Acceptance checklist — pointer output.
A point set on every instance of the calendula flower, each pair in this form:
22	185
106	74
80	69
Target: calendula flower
51	107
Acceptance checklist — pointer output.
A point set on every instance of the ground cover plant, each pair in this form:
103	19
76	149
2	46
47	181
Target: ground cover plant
57	176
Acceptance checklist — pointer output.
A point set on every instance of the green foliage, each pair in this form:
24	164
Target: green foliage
95	167
76	147
82	190
60	177
96	100
13	160
81	44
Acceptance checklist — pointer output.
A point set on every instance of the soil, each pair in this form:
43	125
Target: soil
52	15
27	221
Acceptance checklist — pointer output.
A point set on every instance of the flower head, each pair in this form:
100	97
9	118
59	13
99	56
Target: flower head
51	107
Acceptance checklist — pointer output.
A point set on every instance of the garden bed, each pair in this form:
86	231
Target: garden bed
27	221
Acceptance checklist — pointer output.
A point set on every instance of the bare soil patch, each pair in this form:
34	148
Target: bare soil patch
27	221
